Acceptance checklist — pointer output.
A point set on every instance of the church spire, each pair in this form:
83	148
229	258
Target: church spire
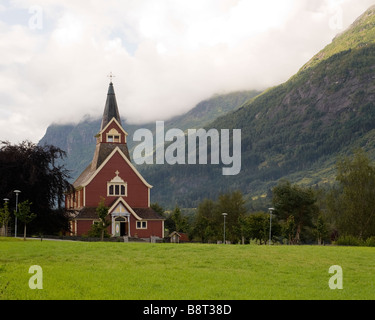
111	109
112	135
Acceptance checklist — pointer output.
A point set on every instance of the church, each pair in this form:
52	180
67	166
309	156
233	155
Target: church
112	176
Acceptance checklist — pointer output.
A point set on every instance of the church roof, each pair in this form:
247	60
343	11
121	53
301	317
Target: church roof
111	109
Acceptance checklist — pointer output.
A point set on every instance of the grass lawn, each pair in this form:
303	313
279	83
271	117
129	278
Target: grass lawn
144	271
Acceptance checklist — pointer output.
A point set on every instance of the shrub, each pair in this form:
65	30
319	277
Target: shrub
355	242
349	241
96	231
370	242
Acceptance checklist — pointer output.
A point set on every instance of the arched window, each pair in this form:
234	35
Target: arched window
117	187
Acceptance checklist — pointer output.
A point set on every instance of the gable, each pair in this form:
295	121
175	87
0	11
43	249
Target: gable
121	208
112	130
124	161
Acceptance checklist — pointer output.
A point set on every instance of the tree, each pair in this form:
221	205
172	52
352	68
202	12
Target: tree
299	202
321	229
158	209
35	171
24	214
352	202
102	212
289	229
209	221
180	221
5	217
204	224
257	226
234	204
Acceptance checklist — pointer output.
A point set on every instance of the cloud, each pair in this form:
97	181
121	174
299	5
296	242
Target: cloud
167	55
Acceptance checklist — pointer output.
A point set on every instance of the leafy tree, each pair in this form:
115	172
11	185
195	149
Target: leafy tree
25	215
5	217
180	221
293	200
34	170
234	205
352	203
96	231
209	221
257	226
104	222
321	229
289	229
204	224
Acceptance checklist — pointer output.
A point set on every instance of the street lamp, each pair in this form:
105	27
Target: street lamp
15	229
224	215
270	210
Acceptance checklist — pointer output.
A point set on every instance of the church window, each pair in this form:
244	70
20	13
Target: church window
115	139
113	136
117	186
141	224
117	189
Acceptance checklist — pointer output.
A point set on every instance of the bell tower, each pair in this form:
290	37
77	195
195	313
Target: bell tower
111	134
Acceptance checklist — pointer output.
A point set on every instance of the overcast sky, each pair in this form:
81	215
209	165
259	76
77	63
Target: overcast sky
166	55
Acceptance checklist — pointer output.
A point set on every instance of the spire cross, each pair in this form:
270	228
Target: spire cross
111	76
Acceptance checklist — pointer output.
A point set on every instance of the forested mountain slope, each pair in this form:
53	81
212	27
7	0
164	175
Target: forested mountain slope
78	140
295	130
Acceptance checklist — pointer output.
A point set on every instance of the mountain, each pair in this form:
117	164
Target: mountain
78	140
360	34
295	130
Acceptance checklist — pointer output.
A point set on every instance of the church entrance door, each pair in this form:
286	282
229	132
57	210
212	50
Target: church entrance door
121	227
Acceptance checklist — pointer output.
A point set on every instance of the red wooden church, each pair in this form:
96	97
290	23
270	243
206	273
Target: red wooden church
112	176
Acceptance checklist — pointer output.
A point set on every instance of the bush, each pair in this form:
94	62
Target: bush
349	241
355	242
96	231
370	242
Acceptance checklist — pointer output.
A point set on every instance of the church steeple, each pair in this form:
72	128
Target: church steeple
112	135
111	109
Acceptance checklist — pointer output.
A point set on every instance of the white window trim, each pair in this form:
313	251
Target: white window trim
141	222
113	133
117	184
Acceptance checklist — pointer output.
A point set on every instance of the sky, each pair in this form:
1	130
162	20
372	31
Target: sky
166	55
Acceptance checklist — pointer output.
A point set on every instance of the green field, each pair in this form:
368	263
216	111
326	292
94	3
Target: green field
144	271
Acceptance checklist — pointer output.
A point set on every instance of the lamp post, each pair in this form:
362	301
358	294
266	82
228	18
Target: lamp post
15	229
270	210
224	215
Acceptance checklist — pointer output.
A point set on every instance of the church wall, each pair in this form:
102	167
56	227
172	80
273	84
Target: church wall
137	192
83	226
154	228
